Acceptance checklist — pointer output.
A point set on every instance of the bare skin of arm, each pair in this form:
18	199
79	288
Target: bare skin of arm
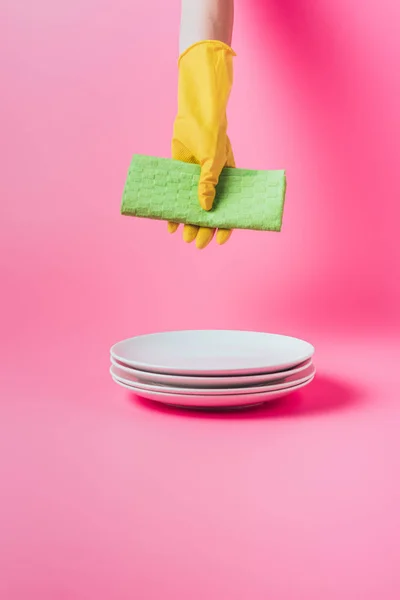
205	20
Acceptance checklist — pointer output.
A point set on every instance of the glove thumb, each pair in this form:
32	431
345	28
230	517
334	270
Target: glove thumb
209	175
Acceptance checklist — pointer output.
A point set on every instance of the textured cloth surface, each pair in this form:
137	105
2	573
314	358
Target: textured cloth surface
167	189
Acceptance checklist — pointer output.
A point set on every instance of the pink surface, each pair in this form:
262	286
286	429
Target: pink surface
105	496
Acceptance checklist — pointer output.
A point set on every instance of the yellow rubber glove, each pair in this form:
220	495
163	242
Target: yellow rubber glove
200	127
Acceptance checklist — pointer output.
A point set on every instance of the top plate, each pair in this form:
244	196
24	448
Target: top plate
212	352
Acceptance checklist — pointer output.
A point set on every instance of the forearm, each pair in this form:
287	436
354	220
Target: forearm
205	20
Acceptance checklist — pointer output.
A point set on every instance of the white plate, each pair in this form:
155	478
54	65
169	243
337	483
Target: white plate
212	352
269	387
206	382
239	400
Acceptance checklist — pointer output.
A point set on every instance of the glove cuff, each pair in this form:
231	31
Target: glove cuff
212	44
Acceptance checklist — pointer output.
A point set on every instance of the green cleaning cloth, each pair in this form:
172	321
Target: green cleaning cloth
166	189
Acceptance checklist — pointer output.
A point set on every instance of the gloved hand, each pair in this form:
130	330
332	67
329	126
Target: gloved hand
200	127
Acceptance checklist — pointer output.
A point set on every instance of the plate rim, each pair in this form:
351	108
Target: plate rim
215	391
141	366
241	379
251	397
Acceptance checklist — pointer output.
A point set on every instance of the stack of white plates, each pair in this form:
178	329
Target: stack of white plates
212	368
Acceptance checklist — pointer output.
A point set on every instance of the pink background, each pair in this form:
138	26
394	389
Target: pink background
104	496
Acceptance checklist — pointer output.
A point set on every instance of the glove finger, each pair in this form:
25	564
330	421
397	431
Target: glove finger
172	227
180	152
223	236
210	172
189	233
230	161
204	237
